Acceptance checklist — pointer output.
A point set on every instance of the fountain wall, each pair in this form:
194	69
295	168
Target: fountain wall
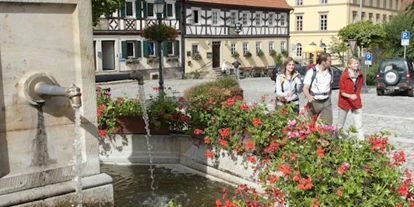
52	37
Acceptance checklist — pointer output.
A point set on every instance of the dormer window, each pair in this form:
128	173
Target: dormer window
233	18
258	19
195	17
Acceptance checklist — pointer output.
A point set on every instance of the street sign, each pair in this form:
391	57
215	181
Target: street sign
352	44
405	38
368	59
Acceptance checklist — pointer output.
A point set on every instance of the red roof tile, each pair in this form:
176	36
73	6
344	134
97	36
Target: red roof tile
280	4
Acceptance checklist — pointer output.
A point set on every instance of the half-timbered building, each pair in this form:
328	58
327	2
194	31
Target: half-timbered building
119	45
217	31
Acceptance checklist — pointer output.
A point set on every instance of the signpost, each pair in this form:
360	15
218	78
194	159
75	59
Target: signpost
405	40
352	45
368	62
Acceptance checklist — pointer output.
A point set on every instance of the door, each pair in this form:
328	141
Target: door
108	55
216	54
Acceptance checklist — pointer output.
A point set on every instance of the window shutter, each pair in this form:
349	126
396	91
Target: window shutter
177	48
144	3
138	49
124	49
123	11
165	10
138	9
145	48
177	10
165	48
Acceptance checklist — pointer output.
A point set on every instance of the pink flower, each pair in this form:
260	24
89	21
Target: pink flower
292	123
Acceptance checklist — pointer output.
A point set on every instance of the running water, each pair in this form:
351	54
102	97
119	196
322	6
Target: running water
77	159
142	100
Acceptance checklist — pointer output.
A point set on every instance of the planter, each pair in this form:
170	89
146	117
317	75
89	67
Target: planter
136	125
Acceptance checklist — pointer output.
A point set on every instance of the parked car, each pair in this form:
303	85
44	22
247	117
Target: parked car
395	75
277	68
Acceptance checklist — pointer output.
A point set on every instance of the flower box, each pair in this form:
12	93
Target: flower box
136	125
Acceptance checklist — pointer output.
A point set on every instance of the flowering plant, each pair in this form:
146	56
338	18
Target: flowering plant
299	163
108	110
159	32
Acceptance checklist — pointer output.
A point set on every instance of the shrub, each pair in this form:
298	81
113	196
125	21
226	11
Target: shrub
159	32
235	55
371	75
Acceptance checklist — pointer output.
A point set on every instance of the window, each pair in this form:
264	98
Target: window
378	3
324	1
233	18
271	17
130	49
282	20
170	48
370	16
151	48
244	18
390	17
170	11
195	16
390	5
397	4
258	47
363	16
194	49
258	18
377	18
299	23
384	4
150	10
354	16
384	17
129	8
324	22
214	17
299	2
354	1
282	46
299	50
245	48
233	48
271	46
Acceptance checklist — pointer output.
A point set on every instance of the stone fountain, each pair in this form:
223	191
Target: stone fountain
45	46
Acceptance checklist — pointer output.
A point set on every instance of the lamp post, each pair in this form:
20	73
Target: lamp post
159	10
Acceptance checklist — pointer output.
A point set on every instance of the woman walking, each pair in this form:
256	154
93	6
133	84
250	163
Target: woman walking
350	85
288	85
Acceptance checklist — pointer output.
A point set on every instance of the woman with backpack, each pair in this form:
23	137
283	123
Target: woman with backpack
288	85
349	100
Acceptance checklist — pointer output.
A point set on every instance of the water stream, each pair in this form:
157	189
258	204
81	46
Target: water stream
142	100
77	159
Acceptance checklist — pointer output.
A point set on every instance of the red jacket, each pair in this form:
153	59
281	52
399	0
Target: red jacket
346	85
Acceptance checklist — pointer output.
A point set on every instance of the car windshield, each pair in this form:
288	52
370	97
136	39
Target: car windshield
393	65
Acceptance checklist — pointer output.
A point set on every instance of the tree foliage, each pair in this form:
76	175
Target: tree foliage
104	7
338	48
365	32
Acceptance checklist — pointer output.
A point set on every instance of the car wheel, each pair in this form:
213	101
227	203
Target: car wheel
411	92
380	92
391	77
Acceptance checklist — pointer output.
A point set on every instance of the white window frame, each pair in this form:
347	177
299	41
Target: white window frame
282	21
233	48
245	21
260	18
299	2
271	45
297	22
271	19
233	19
282	46
245	47
133	48
155	48
154	15
258	46
133	9
173	11
217	12
298	50
354	16
192	49
172	47
323	22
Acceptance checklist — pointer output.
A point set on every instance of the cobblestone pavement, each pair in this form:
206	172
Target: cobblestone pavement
393	113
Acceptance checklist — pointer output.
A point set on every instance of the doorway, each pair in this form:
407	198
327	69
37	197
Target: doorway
216	54
108	55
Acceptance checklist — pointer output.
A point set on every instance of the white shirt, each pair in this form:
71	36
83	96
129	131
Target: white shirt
321	83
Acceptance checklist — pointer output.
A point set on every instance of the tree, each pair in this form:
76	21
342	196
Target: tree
338	47
104	7
365	32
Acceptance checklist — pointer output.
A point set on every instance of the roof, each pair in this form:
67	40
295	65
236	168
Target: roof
279	4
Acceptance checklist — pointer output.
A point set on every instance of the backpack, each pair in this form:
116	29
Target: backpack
313	78
274	74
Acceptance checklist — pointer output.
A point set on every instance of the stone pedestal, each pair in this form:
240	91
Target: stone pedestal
52	37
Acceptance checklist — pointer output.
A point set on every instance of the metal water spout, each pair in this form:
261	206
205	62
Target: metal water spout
40	87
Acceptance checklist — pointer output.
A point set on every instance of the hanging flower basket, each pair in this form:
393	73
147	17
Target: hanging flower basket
159	32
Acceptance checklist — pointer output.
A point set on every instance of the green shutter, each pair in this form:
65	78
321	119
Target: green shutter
165	48
177	48
123	11
177	10
144	3
138	9
138	49
165	10
124	49
145	48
